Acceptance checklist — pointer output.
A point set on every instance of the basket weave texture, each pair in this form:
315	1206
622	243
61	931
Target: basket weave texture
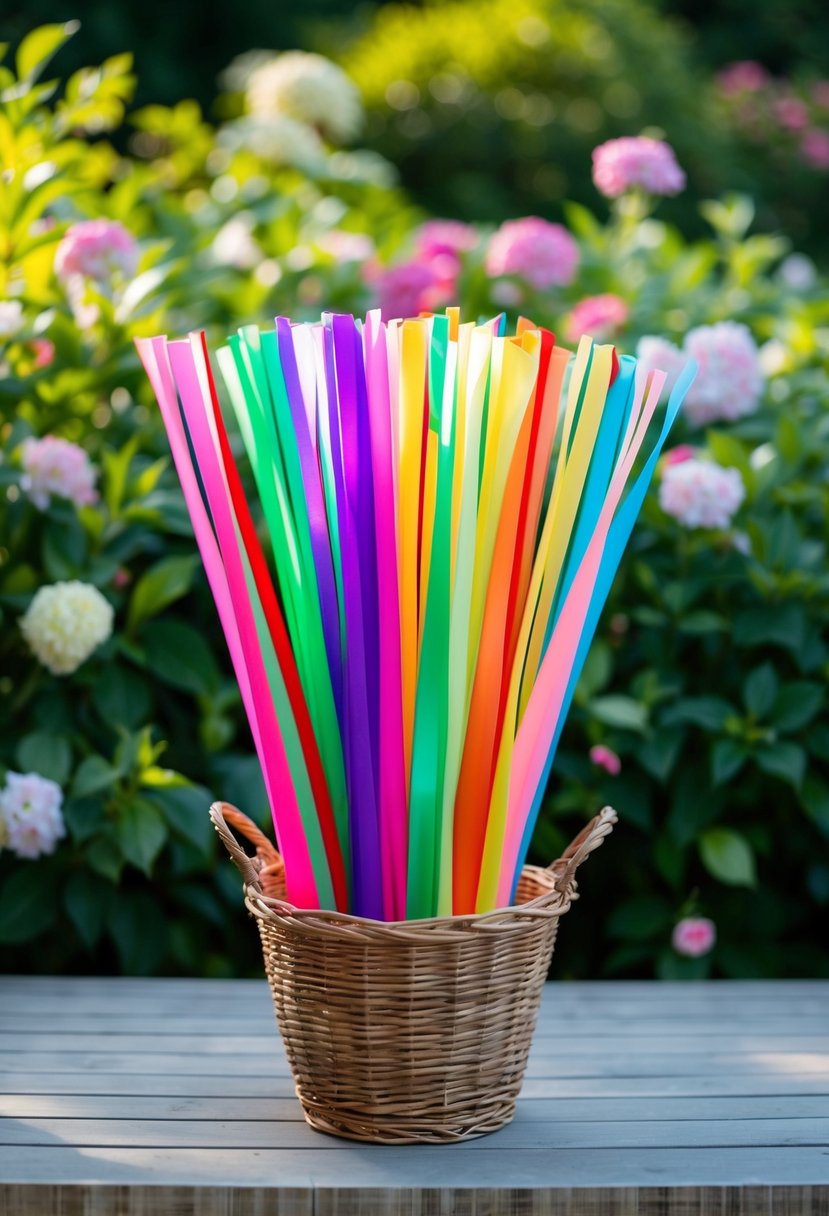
413	1031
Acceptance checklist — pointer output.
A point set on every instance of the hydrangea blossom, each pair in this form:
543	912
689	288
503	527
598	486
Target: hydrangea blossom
438	238
98	250
694	936
729	382
309	88
411	288
636	162
65	623
599	316
701	494
30	814
56	466
278	139
543	254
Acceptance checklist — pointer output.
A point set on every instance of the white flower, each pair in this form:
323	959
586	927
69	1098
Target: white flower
309	88
64	624
11	318
279	139
234	245
30	817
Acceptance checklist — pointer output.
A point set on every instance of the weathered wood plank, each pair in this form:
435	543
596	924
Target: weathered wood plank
255	1085
462	1165
274	1064
794	1028
31	1106
69	1043
525	1132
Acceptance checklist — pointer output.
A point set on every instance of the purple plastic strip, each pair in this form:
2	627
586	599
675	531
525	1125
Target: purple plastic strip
315	506
360	768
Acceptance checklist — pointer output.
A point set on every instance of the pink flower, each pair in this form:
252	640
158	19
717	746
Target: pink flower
814	148
543	254
701	494
121	578
636	162
791	113
44	351
730	380
658	354
409	289
679	454
604	758
97	249
438	237
746	76
55	466
599	316
694	936
30	814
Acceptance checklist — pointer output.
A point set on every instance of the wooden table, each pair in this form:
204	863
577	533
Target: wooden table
164	1097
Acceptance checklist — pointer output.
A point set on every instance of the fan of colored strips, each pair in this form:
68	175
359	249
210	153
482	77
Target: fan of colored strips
409	596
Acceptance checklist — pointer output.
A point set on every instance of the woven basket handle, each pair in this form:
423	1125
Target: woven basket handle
588	839
225	817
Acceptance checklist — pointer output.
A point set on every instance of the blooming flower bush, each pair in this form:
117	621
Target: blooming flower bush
701	713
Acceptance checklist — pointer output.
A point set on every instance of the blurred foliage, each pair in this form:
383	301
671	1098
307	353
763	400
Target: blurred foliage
491	109
708	676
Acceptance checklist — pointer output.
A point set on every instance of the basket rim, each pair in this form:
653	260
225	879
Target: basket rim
553	903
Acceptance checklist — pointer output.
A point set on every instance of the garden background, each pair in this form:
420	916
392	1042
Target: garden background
234	188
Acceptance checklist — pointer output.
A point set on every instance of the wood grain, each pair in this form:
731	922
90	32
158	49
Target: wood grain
125	1098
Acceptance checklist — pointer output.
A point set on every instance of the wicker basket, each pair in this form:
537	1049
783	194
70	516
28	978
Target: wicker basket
411	1032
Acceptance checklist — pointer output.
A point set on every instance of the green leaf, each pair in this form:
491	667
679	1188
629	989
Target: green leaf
165	582
797	704
185	808
28	902
702	622
620	711
178	655
711	713
38	47
814	798
728	857
121	697
93	775
727	758
661	752
87	900
45	753
760	690
104	856
784	760
781	624
84	817
141	832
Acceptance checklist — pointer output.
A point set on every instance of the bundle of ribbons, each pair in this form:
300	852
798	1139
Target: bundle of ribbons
444	508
